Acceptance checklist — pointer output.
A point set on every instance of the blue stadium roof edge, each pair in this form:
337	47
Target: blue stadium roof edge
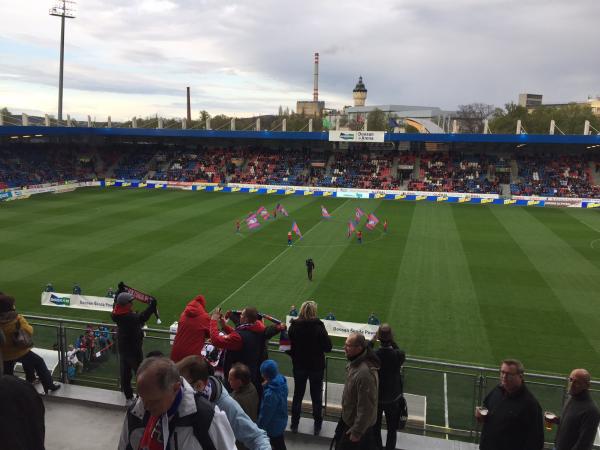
297	135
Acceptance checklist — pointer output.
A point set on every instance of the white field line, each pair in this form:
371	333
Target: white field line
446	422
272	261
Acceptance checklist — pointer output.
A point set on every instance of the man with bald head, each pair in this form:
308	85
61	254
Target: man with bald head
578	422
359	399
169	414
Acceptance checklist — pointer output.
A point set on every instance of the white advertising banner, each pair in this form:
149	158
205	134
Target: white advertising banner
77	301
356	136
343	329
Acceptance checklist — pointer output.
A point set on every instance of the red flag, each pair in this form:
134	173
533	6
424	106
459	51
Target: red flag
296	230
350	228
372	221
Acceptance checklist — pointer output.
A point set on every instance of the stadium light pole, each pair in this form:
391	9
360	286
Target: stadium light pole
65	9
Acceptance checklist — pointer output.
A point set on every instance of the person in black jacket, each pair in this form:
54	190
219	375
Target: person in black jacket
578	422
21	412
310	266
309	343
390	385
514	417
129	338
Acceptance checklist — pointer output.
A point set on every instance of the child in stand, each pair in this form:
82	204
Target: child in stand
273	414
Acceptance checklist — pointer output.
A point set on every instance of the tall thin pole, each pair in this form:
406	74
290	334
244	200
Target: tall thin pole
189	107
62	67
65	9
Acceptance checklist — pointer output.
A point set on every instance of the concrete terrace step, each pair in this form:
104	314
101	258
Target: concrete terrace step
105	409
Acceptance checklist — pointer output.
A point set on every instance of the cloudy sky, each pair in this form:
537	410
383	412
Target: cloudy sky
136	57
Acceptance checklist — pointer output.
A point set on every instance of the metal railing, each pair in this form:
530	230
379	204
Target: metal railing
452	390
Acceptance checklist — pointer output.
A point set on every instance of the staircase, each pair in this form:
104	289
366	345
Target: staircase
417	169
595	175
514	171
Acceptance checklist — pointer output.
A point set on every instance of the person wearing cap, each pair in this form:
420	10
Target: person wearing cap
129	338
273	409
193	329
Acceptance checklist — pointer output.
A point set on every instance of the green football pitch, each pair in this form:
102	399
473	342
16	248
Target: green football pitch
465	283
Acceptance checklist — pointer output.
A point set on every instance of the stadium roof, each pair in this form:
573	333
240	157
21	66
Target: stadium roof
39	131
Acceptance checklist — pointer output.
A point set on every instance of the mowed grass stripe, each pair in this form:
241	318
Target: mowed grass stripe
271	290
88	221
47	210
92	243
100	259
434	294
580	236
359	278
214	260
203	235
552	307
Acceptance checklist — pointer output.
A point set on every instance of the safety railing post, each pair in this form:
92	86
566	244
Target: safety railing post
326	381
62	352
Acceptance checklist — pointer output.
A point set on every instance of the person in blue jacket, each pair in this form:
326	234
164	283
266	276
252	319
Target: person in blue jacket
273	413
197	371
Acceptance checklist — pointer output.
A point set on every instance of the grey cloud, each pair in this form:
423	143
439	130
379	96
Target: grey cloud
437	52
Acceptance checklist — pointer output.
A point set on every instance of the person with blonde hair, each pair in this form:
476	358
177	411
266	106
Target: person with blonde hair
309	343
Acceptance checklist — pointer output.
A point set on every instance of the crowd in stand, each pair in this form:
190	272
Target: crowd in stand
184	403
443	172
47	164
555	176
540	174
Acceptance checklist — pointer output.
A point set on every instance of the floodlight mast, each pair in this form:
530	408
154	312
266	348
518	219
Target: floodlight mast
65	9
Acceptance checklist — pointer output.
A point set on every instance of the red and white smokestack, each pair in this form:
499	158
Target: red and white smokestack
316	79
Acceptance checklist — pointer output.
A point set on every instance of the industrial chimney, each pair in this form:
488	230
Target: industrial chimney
316	79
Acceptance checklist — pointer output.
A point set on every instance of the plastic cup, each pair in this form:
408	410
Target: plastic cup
549	418
481	413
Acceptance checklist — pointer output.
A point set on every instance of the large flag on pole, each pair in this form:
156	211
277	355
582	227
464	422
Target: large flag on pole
372	221
350	228
296	230
359	213
325	213
282	210
252	222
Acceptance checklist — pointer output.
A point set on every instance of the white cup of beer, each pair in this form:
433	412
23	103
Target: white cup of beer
549	418
481	413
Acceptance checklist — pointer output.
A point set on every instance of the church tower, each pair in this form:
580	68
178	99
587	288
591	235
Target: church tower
359	93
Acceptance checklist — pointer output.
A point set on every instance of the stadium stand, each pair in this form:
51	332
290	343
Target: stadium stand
542	174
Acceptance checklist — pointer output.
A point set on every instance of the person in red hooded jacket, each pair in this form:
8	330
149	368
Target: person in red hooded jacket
192	330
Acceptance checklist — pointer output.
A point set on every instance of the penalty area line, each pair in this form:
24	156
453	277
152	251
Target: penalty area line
271	262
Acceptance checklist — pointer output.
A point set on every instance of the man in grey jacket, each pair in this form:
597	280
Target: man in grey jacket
578	422
196	371
168	413
359	399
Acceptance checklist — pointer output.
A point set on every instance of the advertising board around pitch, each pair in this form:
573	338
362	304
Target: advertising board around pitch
77	301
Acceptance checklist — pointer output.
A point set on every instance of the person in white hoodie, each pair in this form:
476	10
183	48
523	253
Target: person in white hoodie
169	414
197	372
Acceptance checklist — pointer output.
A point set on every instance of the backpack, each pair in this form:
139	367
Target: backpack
200	422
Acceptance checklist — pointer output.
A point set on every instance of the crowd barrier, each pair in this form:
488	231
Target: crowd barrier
449	391
438	197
